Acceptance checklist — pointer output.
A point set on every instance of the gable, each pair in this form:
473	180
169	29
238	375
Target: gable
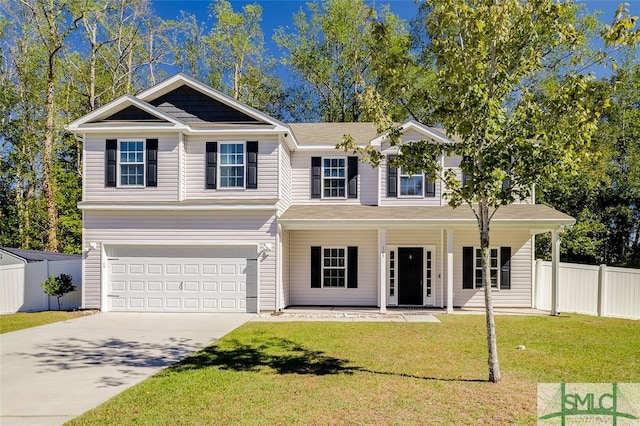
133	113
192	106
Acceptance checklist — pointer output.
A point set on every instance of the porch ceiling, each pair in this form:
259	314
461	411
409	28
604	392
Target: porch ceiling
534	217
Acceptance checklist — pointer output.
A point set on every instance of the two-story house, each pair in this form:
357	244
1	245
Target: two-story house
195	202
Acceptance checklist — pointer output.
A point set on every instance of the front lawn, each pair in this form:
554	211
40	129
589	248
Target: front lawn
378	373
22	320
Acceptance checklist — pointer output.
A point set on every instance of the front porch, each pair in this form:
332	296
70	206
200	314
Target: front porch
424	257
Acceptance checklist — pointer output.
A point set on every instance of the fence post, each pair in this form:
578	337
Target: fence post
536	284
602	288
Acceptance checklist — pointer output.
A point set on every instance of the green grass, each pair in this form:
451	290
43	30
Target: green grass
22	320
378	373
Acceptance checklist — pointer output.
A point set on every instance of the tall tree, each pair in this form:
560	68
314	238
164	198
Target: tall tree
53	21
329	51
486	54
238	64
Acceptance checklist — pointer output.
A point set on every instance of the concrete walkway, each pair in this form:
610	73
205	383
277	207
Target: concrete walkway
53	373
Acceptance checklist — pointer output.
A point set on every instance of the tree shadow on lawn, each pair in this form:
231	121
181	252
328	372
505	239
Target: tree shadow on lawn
284	357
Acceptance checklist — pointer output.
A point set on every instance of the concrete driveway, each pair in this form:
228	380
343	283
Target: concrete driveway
53	373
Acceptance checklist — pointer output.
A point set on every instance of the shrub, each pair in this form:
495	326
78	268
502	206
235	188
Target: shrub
58	286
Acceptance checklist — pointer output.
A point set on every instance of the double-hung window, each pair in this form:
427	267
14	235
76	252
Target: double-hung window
334	267
334	177
132	162
493	267
411	185
232	164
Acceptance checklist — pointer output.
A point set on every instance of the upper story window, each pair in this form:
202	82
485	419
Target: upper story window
232	165
334	172
334	177
402	184
411	185
131	165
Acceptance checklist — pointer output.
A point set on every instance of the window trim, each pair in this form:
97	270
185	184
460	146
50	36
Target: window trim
401	175
220	166
498	267
345	178
119	163
345	267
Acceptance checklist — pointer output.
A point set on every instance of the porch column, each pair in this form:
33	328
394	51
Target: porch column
382	245
449	271
279	289
555	270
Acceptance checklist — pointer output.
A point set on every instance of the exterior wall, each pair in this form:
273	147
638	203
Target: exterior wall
195	170
301	180
178	228
285	178
94	171
299	289
521	269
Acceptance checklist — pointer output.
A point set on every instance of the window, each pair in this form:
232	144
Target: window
232	165
334	177
493	266
334	267
411	185
499	265
131	163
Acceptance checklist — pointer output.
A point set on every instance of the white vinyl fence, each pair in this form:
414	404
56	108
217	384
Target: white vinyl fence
20	289
594	290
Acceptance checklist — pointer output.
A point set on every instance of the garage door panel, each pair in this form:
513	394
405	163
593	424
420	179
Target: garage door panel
177	284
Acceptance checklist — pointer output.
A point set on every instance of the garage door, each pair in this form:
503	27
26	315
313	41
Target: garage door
181	282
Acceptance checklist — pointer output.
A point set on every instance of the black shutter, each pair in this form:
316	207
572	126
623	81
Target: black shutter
467	267
316	177
352	267
466	177
316	267
152	162
352	175
429	185
252	165
110	155
506	184
211	161
505	268
392	178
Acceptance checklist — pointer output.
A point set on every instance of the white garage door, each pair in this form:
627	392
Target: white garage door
179	283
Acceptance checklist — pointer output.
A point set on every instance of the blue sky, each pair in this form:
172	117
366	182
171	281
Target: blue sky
277	13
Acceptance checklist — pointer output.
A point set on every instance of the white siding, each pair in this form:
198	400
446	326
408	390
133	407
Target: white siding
179	229
285	179
299	288
94	173
301	180
521	269
195	170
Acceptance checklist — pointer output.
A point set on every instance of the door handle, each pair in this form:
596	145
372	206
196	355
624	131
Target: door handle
182	282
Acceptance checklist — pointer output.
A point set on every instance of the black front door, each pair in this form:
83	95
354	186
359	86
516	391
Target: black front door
410	275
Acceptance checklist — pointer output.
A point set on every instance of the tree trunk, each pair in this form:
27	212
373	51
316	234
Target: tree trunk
492	344
48	180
